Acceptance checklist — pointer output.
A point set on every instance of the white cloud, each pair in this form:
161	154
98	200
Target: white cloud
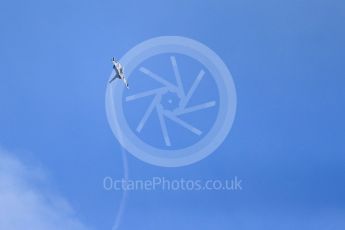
25	205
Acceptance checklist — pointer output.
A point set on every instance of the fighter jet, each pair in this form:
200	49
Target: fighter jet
119	73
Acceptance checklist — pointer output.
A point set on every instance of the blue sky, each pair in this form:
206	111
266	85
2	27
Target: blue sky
287	141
